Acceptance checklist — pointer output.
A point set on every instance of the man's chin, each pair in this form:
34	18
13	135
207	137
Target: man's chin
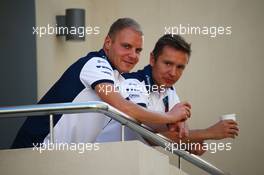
168	85
126	69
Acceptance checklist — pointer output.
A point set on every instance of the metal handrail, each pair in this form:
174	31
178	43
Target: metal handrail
108	110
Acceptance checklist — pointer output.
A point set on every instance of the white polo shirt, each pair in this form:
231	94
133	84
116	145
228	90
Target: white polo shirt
85	127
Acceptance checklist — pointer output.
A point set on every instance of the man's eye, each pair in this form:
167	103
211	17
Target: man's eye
138	51
126	46
181	67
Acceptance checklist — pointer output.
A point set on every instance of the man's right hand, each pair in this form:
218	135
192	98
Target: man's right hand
180	112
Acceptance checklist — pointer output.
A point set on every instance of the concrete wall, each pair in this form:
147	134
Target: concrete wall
139	159
223	76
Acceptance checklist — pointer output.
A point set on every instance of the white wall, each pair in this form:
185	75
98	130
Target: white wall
223	76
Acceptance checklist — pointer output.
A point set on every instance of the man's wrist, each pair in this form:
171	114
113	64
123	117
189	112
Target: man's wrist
169	119
208	134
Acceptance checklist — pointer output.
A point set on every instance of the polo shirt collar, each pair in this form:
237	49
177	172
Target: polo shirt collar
103	55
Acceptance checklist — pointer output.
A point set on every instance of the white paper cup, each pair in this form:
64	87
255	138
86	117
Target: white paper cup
228	117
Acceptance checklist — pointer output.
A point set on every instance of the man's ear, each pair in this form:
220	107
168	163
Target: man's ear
151	59
107	42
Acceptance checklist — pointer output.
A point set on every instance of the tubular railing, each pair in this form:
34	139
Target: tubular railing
108	110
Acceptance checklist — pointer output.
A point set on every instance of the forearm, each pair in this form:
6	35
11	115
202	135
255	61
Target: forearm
135	111
176	114
199	135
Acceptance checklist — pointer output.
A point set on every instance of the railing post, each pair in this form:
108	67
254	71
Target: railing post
179	162
51	128
122	133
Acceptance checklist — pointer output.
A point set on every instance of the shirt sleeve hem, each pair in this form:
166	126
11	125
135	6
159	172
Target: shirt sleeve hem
101	81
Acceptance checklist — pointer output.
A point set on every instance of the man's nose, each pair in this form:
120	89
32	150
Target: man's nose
173	71
133	54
